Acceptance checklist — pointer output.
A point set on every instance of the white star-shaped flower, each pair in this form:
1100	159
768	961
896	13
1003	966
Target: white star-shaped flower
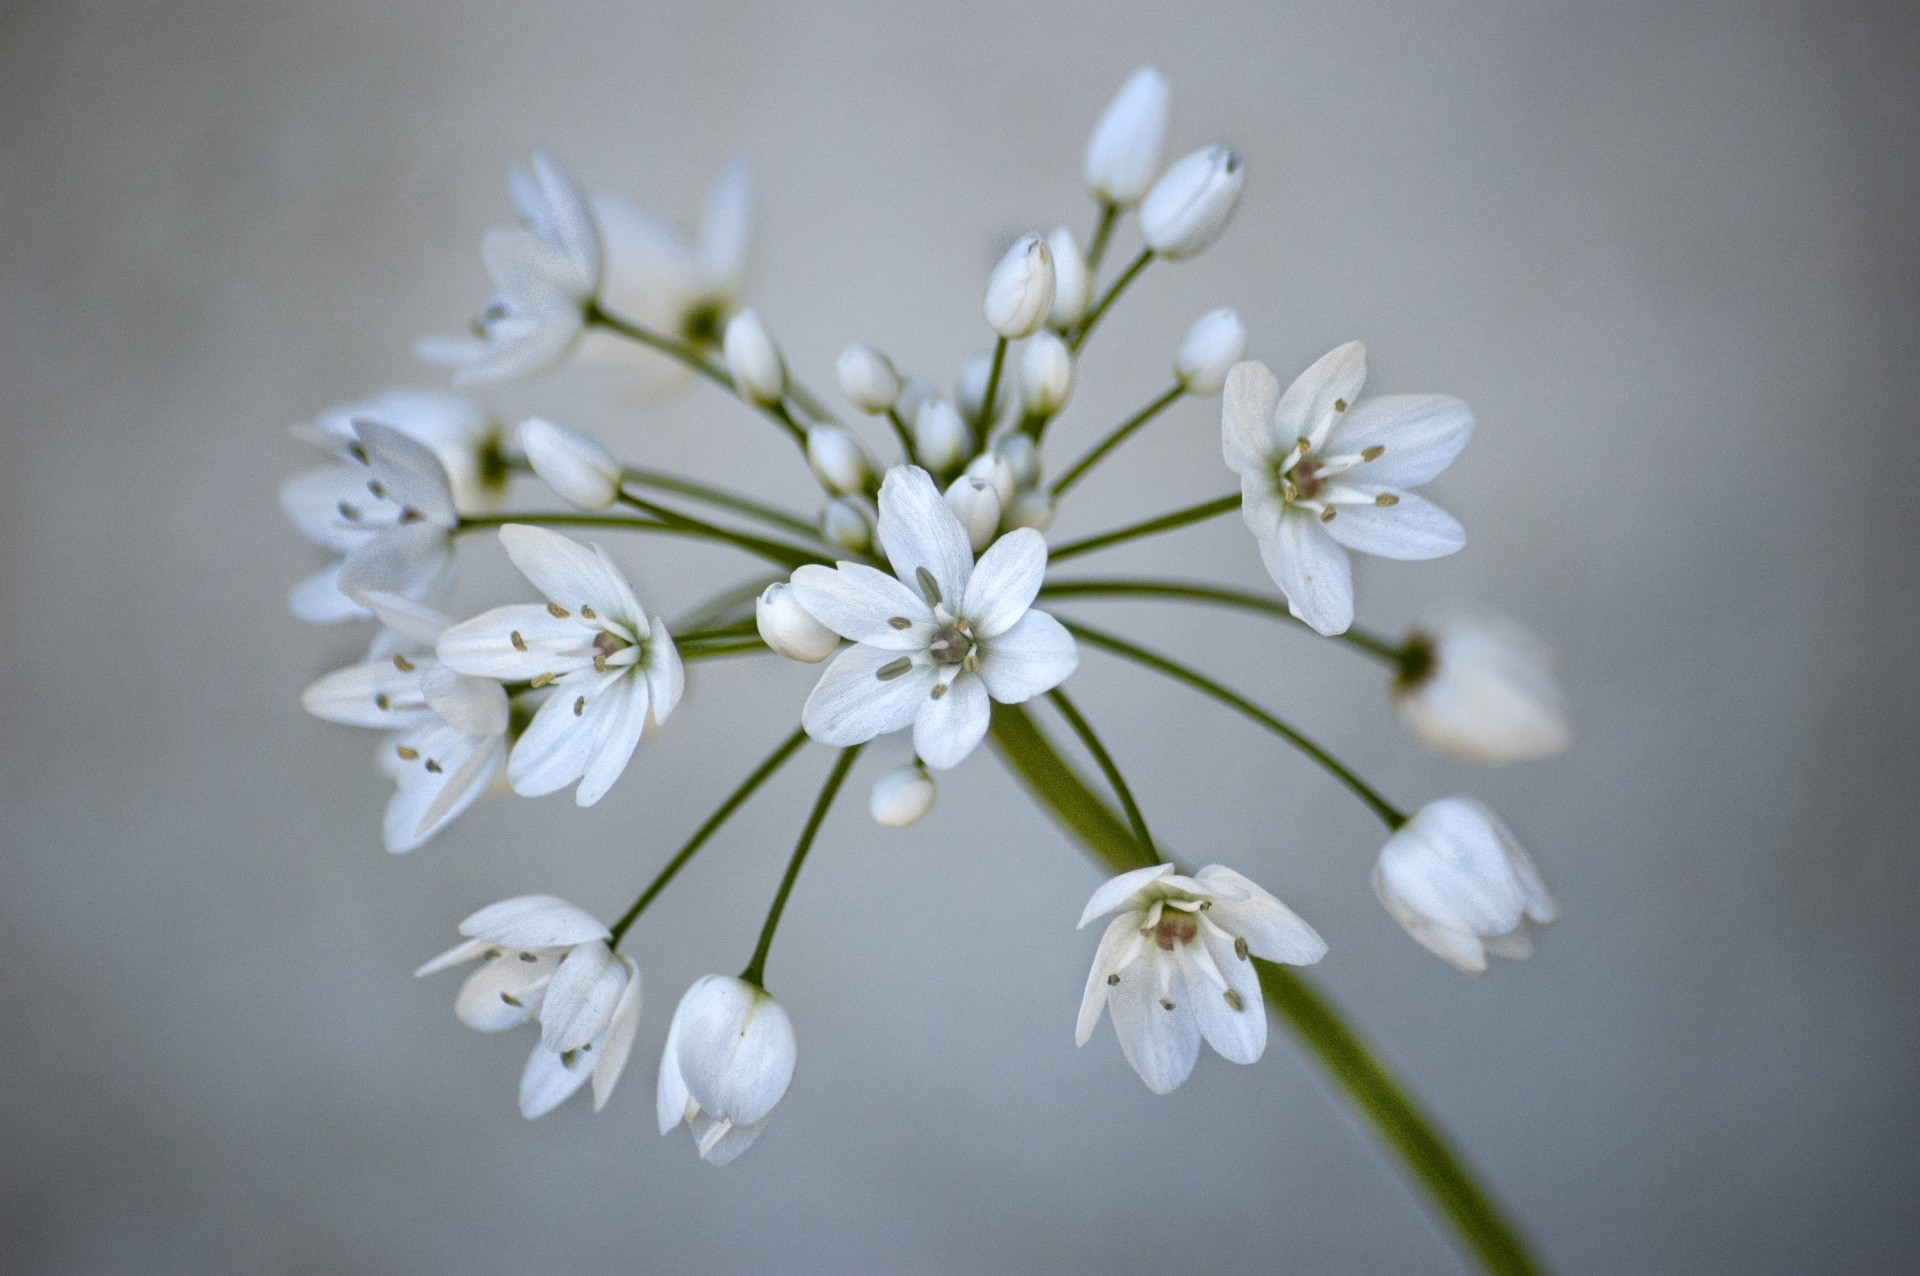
471	445
1175	967
659	280
1323	471
935	645
609	667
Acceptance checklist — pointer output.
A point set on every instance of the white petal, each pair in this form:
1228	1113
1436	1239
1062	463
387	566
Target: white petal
485	646
670	1096
558	744
665	674
613	1052
1246	417
1161	1044
420	808
477	706
860	602
726	228
648	275
1272	930
1121	934
1318	395
1412	528
1036	655
1116	891
1312	572
728	1147
568	219
615	714
581	999
313	502
1239	1036
376	694
736	1050
918	529
573	575
549	1080
408	472
948	729
533	921
851	705
464	951
318	599
506	991
1420	434
412	559
416	622
1005	581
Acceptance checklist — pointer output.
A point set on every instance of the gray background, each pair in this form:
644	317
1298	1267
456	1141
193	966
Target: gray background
1668	252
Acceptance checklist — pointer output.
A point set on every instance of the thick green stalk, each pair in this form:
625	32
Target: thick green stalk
1407	1132
773	551
1102	231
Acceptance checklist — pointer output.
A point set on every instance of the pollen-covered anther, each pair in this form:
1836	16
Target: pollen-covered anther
348	512
1240	949
1339	405
1232	998
433	767
401	663
1113	980
1328	514
899	622
579	705
588	613
1165	1004
382	701
557	611
1373	453
519	643
406	752
893	669
1386	500
540	680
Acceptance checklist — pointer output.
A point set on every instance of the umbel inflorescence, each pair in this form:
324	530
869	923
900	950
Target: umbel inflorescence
925	584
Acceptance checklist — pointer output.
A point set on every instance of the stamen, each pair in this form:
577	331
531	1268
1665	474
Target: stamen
1164	1003
899	622
579	706
1374	452
939	689
406	751
717	1132
1112	980
1328	514
566	1058
1304	443
1339	405
381	702
893	669
433	767
349	513
557	611
512	1000
971	662
490	954
588	613
401	663
1386	500
928	585
373	485
600	662
540	680
529	957
1232	998
519	643
1240	948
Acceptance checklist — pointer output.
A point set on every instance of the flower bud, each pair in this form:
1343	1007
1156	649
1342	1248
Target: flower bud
844	525
728	1062
1192	202
1072	280
1022	456
902	796
867	379
838	458
977	506
939	436
1031	508
1124	152
789	628
1458	882
916	392
1046	374
1020	290
996	470
579	470
758	370
1214	344
1482	688
970	391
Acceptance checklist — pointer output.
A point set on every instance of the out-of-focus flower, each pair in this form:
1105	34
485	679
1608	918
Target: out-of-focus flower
579	470
902	796
1211	347
1020	290
1456	879
1482	688
1124	153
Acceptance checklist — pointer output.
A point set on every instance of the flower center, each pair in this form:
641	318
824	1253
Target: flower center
1175	927
1303	482
605	647
950	646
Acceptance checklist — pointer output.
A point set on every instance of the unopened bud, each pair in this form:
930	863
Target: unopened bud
1192	202
1214	344
789	628
844	525
1022	456
940	437
916	392
971	391
902	796
977	506
867	379
995	469
838	458
1031	508
579	471
1046	374
1020	290
758	371
1072	281
1124	152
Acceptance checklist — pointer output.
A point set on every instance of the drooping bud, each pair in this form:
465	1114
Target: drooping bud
1456	879
1020	290
1046	374
995	469
1192	202
579	470
902	796
753	359
728	1061
940	437
867	379
1022	456
789	628
1031	508
977	506
1124	152
1072	281
838	458
844	525
1212	346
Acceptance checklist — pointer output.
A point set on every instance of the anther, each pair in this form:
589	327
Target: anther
899	622
939	689
433	767
1240	949
566	1058
1112	980
529	957
588	613
1373	453
600	662
540	680
490	954
406	751
1164	1003
1232	998
1386	500
928	585
373	485
893	669
579	705
381	702
1339	405
557	611
349	513
401	663
1304	443
510	999
1328	514
519	643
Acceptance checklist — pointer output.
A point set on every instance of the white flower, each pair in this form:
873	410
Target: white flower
545	274
579	470
1321	469
1124	152
1211	347
1175	966
470	444
867	379
592	641
940	436
727	1064
1046	374
975	503
657	279
389	512
544	957
932	646
786	626
754	360
1482	688
902	796
1456	879
1072	280
1192	202
449	731
837	458
1020	290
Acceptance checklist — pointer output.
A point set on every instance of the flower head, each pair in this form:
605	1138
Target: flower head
1323	471
1175	967
937	640
471	445
727	1064
1456	879
1482	688
609	666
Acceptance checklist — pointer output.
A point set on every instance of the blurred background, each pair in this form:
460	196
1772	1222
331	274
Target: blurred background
1669	254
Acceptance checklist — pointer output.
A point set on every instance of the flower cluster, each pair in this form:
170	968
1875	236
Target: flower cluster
915	581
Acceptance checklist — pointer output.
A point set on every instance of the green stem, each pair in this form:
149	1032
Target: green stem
706	830
1102	230
773	551
987	401
720	497
1407	1132
809	401
1133	531
1374	645
756	971
1115	439
719	633
723	603
904	435
1080	334
777	413
739	647
1389	814
1104	760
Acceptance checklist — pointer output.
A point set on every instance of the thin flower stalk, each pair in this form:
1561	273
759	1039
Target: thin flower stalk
1115	437
1151	527
756	971
1382	649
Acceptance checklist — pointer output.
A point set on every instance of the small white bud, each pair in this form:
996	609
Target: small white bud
939	435
1031	508
579	471
1072	281
992	468
916	391
902	796
1020	290
753	359
789	628
977	506
867	379
1483	689
844	525
1192	202
1124	152
838	458
1022	457
1046	374
1214	344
